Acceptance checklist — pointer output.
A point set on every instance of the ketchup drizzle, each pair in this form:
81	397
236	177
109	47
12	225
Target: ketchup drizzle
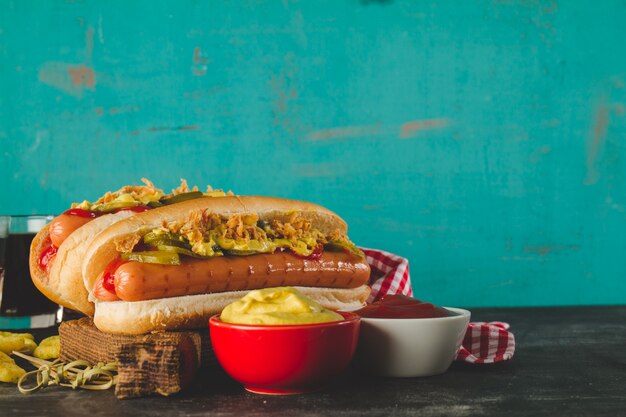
45	259
88	214
109	275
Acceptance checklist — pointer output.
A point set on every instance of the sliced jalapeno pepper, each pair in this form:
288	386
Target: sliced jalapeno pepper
180	251
181	197
338	246
156	239
153	257
115	205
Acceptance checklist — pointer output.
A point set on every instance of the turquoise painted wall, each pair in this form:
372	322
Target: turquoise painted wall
483	140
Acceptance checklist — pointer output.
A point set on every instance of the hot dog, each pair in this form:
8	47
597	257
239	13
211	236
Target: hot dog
175	266
57	250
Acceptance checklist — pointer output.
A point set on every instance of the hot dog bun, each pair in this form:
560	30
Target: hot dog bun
102	249
193	311
64	285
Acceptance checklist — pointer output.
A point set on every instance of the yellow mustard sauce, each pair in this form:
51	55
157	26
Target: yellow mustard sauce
277	306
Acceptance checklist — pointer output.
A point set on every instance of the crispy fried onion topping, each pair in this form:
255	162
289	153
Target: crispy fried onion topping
138	192
127	195
210	191
199	223
142	194
183	188
203	226
126	243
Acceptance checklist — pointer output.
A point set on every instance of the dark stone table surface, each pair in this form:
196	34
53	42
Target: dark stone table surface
570	361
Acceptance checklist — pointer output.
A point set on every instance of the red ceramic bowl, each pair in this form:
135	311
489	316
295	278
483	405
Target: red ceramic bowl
288	359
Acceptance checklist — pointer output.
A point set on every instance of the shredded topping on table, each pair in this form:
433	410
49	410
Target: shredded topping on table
76	374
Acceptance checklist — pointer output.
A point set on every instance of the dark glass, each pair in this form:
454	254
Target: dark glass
22	306
19	295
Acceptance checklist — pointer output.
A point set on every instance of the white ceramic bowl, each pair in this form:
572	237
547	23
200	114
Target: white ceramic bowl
411	347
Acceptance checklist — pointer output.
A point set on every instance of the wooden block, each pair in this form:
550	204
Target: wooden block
157	363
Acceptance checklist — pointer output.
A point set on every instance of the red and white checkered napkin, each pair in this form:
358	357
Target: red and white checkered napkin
390	274
487	343
483	342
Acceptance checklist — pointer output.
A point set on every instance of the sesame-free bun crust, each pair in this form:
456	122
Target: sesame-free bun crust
102	249
65	284
194	311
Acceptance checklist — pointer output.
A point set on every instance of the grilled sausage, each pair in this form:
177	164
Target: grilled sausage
135	281
62	226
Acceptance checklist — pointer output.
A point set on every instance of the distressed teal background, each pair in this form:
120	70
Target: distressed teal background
484	140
